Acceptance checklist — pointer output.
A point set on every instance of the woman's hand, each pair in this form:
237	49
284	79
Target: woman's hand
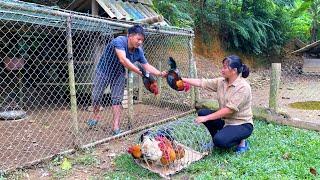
201	119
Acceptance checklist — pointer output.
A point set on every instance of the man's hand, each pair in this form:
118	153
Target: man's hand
163	74
201	119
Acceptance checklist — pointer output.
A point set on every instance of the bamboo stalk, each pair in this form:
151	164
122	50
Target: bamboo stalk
163	103
72	84
138	129
94	8
193	74
274	86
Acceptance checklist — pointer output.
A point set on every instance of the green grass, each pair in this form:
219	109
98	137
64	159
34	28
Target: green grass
277	152
307	105
86	160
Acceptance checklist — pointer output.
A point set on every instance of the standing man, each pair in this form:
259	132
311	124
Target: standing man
119	54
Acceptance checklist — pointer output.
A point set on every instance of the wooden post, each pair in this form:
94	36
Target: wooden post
72	84
192	73
274	86
94	8
130	98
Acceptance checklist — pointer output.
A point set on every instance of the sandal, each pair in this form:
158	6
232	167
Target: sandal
116	132
240	150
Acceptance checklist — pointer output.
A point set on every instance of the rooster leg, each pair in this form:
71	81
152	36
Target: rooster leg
166	168
146	161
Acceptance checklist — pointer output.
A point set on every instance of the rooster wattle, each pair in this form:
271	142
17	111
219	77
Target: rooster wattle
174	79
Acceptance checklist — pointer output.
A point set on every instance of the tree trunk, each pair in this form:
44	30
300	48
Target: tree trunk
314	32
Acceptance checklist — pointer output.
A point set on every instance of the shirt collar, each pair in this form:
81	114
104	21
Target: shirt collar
236	82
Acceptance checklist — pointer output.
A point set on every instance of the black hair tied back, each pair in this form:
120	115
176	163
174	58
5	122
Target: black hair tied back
245	71
234	61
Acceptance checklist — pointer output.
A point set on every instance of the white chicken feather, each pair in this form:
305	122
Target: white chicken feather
150	149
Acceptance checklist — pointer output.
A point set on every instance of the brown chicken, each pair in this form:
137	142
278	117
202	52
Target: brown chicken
168	153
149	81
180	152
168	156
135	151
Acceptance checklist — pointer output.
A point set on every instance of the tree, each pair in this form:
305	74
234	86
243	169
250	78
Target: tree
312	7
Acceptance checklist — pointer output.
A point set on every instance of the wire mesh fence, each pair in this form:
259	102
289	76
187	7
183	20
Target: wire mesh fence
299	92
48	64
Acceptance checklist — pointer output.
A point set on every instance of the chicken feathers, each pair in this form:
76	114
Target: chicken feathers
174	79
135	151
150	149
149	81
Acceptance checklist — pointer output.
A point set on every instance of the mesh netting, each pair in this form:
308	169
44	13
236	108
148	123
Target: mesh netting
169	148
48	61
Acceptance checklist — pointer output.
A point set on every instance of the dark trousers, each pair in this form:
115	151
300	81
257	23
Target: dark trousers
228	136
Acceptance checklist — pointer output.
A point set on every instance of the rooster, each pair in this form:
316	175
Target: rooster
180	152
174	79
150	149
135	151
157	146
149	81
168	153
165	132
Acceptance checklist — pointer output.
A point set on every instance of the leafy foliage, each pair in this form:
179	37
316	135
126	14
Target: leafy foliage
254	27
259	27
176	12
311	10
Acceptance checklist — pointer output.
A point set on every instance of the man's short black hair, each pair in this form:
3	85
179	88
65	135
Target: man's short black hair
136	29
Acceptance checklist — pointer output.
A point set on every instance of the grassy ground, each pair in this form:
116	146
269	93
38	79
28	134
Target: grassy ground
277	152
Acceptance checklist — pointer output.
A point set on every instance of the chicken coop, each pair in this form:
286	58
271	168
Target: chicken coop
311	57
48	60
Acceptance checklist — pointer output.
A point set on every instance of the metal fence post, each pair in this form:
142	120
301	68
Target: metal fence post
72	85
130	98
274	86
193	73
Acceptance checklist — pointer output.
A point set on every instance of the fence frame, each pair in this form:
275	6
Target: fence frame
118	27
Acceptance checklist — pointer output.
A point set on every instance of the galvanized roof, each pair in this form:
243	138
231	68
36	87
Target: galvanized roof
132	10
310	47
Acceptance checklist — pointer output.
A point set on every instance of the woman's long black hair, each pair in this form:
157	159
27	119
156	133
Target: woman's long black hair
234	61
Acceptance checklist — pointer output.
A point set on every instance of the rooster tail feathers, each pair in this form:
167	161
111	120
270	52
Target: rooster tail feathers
143	71
165	132
172	63
146	133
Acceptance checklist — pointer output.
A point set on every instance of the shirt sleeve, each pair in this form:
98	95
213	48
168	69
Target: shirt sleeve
210	84
118	44
142	58
238	98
